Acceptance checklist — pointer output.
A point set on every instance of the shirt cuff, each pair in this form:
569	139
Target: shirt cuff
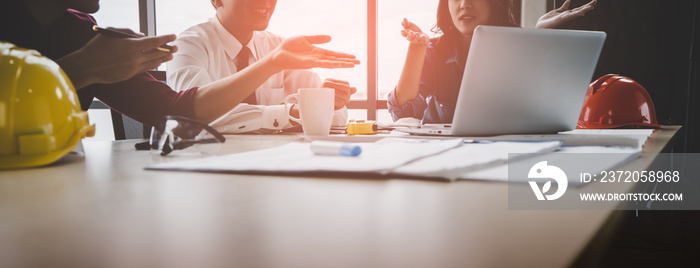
413	108
276	117
340	117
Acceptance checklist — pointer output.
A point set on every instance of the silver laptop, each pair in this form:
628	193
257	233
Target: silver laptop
523	81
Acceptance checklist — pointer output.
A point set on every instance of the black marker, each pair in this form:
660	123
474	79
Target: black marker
118	34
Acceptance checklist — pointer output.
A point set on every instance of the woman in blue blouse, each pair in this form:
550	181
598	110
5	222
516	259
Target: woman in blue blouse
432	74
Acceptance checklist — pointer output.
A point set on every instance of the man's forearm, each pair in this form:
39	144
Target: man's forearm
217	98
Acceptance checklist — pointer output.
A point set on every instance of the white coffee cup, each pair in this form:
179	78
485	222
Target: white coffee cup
315	110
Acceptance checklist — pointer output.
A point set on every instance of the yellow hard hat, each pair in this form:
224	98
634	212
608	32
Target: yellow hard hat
40	115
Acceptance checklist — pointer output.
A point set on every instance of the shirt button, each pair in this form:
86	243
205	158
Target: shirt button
441	105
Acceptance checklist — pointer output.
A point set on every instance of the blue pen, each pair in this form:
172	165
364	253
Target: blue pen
335	148
477	141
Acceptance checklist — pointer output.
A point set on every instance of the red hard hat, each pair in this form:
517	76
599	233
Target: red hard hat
615	101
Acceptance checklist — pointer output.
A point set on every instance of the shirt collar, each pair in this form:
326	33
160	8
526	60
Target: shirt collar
231	45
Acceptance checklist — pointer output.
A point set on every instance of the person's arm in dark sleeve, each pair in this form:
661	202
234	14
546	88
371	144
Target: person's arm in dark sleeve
145	99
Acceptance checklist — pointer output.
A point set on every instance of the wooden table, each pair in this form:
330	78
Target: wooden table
104	210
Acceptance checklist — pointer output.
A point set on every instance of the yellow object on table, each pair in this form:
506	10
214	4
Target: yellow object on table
361	127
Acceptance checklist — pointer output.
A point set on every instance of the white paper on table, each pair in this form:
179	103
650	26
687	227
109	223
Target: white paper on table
641	135
380	157
573	138
452	163
610	158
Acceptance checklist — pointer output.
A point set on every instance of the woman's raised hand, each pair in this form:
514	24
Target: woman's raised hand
413	33
562	14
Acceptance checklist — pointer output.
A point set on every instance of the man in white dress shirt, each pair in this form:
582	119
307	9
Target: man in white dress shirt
226	45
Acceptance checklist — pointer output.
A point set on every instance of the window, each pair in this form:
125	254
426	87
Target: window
174	16
118	14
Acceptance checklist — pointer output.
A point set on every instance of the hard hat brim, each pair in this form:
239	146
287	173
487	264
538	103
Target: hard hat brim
585	125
